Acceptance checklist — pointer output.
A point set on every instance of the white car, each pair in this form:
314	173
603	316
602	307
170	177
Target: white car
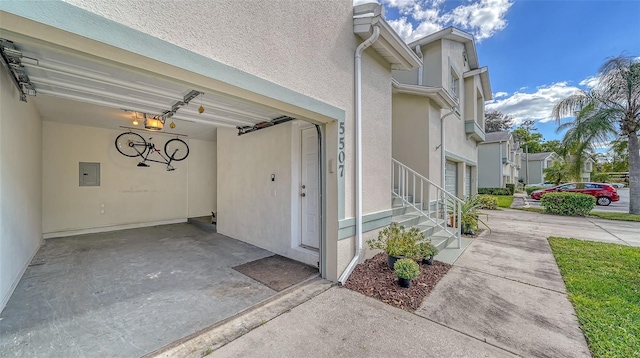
617	185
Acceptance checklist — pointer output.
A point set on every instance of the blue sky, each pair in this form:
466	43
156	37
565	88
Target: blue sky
538	52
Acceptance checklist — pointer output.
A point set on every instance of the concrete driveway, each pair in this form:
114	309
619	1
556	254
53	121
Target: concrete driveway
621	206
594	229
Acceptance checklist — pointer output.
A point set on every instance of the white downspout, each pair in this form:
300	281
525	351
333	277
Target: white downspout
443	161
500	165
358	119
442	153
421	68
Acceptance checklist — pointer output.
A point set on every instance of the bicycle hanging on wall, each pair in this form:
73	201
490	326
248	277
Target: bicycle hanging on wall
132	144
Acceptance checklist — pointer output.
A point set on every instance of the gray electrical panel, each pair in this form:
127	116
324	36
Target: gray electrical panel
89	174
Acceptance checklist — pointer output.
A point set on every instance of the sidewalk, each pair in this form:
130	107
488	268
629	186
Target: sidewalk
503	297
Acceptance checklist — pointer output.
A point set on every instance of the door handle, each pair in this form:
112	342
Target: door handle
303	186
303	195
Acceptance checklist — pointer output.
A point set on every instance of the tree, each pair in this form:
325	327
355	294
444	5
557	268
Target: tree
553	146
558	173
496	121
528	137
609	110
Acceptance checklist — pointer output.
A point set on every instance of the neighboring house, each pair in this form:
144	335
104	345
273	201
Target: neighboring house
293	188
499	159
438	111
534	164
585	169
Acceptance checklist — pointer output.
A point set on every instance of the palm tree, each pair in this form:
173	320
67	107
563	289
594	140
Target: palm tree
608	111
558	172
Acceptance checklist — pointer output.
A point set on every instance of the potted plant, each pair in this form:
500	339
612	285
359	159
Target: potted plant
469	211
397	242
426	251
407	270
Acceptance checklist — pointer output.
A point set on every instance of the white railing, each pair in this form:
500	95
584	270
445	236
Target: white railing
442	208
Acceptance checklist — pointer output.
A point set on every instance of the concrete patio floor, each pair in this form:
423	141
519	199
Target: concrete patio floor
126	293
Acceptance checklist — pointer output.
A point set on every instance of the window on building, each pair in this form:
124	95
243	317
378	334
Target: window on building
455	84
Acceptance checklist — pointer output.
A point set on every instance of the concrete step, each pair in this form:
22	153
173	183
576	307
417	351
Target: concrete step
443	239
428	228
408	220
397	201
401	210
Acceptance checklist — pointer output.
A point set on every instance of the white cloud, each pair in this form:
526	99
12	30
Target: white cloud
418	18
537	105
483	18
500	94
590	82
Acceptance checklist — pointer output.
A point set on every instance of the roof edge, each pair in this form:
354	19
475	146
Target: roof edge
365	17
439	95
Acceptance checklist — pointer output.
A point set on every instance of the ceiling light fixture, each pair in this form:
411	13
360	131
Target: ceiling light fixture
155	123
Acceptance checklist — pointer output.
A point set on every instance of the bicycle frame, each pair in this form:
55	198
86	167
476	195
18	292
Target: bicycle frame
151	148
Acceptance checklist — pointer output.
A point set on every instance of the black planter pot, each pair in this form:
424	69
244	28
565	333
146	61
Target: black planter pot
428	261
466	229
391	260
404	282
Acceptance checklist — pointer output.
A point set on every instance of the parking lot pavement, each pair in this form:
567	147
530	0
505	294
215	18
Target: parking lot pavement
621	206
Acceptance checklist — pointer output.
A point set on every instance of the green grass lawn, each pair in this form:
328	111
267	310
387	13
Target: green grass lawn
603	282
504	201
616	216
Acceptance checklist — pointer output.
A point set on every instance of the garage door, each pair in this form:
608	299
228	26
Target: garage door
451	177
467	181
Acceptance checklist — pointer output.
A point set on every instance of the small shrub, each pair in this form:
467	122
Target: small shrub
426	250
570	204
488	202
407	269
396	241
494	191
531	189
512	188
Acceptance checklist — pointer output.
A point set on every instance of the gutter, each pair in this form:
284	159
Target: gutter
421	68
442	153
358	122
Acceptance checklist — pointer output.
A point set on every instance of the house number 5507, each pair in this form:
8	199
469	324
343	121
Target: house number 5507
341	155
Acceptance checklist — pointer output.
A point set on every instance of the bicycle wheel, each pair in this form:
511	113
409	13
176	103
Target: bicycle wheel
131	144
176	149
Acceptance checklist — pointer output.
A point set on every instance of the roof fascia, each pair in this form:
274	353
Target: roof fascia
483	72
451	33
389	40
439	95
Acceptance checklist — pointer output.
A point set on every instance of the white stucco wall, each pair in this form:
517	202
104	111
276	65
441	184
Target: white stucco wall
411	132
251	207
202	177
131	195
376	134
20	185
312	55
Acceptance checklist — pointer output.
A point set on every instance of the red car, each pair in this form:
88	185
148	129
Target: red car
604	193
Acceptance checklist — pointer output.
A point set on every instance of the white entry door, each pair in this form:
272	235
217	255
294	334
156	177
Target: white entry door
309	189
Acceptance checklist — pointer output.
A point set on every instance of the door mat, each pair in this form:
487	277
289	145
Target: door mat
277	272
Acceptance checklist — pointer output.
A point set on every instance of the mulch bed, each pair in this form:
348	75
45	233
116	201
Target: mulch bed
375	279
